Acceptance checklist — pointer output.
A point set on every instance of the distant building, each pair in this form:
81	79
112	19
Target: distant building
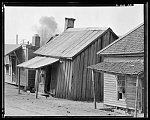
19	53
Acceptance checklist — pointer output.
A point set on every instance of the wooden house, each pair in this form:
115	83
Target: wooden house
123	69
16	54
65	60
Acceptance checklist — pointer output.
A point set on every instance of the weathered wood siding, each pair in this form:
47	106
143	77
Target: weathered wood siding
22	77
110	91
31	73
131	92
63	79
130	83
81	76
53	78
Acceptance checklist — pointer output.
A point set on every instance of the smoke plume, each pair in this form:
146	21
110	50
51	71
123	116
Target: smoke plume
47	28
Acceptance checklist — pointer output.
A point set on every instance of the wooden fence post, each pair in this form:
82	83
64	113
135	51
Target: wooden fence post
93	88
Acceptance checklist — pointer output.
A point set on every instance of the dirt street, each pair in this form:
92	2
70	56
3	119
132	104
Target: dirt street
25	104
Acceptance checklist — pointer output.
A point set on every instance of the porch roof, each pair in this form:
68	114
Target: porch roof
134	67
37	62
11	47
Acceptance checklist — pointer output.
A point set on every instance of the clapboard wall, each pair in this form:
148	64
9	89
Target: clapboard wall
73	77
110	85
110	91
64	79
131	92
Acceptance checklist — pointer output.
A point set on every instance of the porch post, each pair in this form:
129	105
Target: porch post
18	80
37	82
136	99
93	88
11	72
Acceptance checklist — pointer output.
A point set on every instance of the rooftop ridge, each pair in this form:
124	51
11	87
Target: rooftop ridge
120	38
86	28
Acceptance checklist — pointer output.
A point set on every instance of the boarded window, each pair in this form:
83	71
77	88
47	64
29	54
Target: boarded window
121	87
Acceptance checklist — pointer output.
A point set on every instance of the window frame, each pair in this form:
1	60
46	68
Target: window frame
123	99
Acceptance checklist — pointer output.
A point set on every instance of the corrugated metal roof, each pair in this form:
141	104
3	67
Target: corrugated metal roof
38	62
11	47
70	42
134	67
130	43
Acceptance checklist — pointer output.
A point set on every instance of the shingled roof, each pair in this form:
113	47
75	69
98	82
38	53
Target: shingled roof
132	67
130	43
71	42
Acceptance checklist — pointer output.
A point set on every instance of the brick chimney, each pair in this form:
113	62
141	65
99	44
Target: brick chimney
36	40
69	23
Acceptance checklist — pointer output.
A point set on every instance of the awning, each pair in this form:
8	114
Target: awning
38	62
133	67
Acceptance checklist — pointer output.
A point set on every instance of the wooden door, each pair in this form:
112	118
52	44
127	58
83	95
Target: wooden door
48	78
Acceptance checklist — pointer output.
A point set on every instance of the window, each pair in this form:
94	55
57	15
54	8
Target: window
121	87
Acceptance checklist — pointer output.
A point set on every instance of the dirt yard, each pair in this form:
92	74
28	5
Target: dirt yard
25	104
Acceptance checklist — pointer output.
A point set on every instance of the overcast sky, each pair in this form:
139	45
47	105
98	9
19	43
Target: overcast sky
22	20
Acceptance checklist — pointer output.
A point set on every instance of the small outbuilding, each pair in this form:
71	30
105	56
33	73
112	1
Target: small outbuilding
123	69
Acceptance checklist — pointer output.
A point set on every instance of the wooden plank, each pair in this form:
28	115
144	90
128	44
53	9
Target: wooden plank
136	98
96	73
77	78
61	78
68	75
101	77
81	73
68	78
57	88
97	80
94	95
87	77
72	81
89	73
65	81
84	75
91	62
60	90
